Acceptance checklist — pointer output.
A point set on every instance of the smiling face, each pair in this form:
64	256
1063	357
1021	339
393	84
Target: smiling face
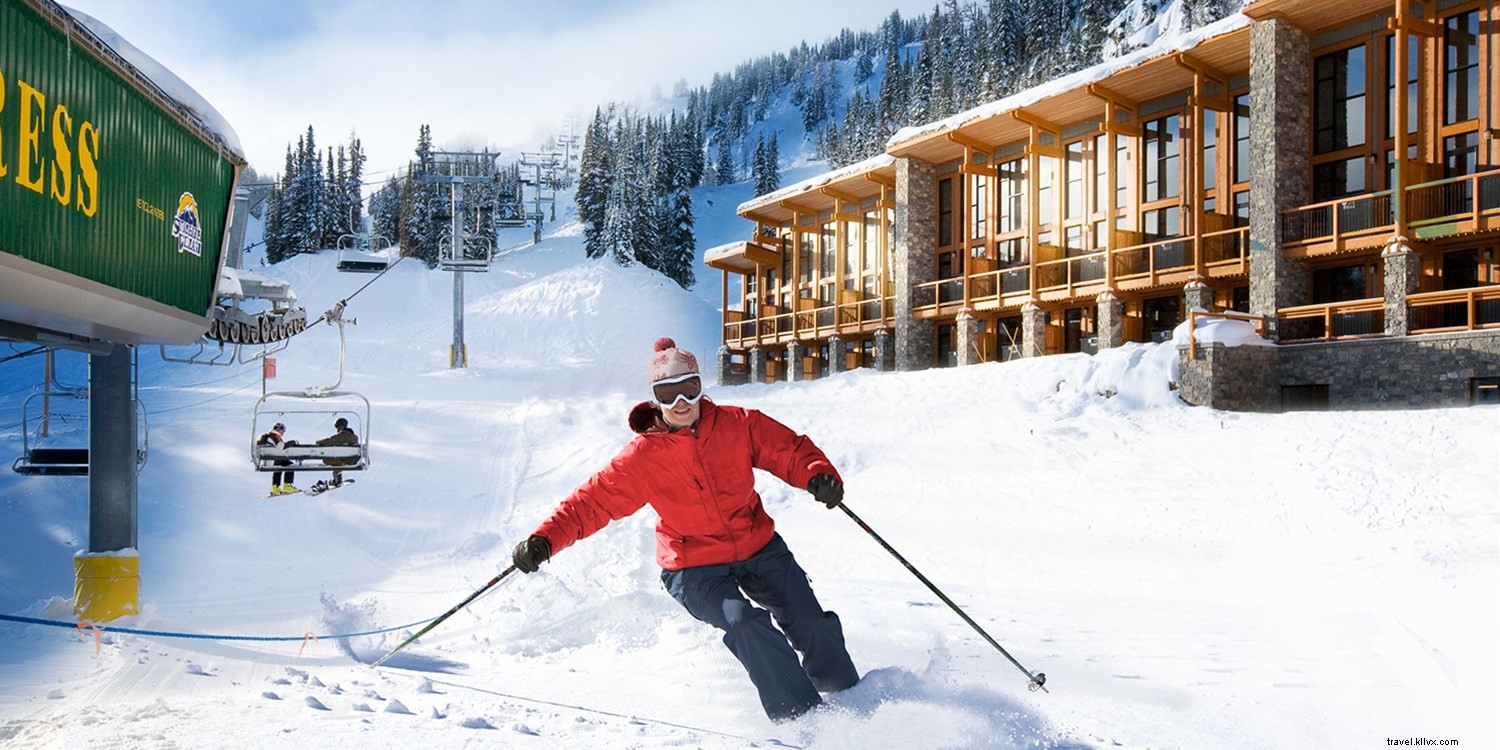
681	414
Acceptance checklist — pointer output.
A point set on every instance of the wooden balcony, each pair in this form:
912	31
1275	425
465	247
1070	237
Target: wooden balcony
852	317
1461	205
1336	321
1226	253
1455	310
1441	208
1338	226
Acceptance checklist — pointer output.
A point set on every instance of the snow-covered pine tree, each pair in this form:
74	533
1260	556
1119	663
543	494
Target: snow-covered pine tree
724	162
385	210
595	178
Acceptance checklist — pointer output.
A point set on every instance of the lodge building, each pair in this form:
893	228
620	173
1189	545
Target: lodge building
1250	170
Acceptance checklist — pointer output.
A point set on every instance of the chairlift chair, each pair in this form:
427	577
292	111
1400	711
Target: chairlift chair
358	253
473	254
59	455
310	411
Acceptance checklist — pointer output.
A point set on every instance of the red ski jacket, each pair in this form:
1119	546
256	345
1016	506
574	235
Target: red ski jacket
698	480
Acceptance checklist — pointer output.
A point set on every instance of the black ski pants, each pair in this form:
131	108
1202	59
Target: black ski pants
716	594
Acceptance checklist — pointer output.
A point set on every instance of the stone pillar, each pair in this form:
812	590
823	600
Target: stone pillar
1197	295
914	259
885	351
1111	320
723	366
1033	330
838	355
1280	60
795	351
966	329
1403	271
757	365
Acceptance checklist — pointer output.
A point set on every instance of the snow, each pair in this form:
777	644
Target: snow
1185	577
165	80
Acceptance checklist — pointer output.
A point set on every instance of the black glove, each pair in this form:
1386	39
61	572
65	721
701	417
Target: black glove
827	489
530	554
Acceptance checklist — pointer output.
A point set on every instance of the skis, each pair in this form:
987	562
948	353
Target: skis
313	490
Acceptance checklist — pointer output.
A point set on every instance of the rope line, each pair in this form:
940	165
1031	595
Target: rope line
204	636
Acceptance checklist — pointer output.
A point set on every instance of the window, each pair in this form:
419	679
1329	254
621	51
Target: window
1073	174
872	233
828	250
1485	391
1162	160
1461	154
1337	179
977	207
1010	213
945	212
1210	142
1101	173
1339	284
1045	208
805	257
1339	100
1413	70
1242	138
1162	314
1122	171
1161	223
1461	68
851	254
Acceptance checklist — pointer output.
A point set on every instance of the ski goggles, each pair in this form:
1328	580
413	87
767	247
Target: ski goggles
687	388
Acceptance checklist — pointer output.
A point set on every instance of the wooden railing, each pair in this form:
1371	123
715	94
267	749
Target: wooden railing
1193	316
1067	274
812	322
1470	198
1335	321
1455	310
1149	260
1339	220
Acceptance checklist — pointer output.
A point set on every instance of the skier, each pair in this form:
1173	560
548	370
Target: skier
274	438
692	460
342	436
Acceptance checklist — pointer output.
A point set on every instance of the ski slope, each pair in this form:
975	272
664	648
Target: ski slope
1186	578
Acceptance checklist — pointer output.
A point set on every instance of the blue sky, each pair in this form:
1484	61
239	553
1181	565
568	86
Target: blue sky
482	74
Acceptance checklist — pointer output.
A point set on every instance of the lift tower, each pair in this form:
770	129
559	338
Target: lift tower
462	251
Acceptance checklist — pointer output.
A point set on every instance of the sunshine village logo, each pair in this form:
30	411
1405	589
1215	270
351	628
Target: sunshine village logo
185	226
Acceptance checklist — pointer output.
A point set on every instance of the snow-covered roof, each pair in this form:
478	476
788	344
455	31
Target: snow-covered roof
190	104
721	252
858	168
1165	46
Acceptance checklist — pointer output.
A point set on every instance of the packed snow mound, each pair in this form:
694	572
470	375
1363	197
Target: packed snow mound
597	317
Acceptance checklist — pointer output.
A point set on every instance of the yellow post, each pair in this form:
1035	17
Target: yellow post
106	585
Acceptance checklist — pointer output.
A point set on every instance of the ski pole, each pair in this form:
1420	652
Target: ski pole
493	582
1038	680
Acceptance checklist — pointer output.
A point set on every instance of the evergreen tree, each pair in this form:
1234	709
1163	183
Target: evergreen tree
724	163
421	232
385	210
595	178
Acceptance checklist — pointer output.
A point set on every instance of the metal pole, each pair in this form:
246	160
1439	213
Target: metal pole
112	452
458	357
440	618
1038	680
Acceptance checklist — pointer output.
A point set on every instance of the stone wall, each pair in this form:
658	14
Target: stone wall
1397	373
1280	114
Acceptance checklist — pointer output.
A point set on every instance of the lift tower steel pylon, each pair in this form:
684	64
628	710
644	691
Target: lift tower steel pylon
462	251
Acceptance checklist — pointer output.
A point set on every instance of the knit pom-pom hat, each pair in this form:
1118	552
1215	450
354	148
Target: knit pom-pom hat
669	362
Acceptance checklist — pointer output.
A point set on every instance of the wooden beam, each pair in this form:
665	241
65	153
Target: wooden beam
839	195
1413	25
1039	150
797	208
847	217
970	142
1121	128
983	170
1216	103
1022	116
1100	92
760	218
881	179
1198	66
